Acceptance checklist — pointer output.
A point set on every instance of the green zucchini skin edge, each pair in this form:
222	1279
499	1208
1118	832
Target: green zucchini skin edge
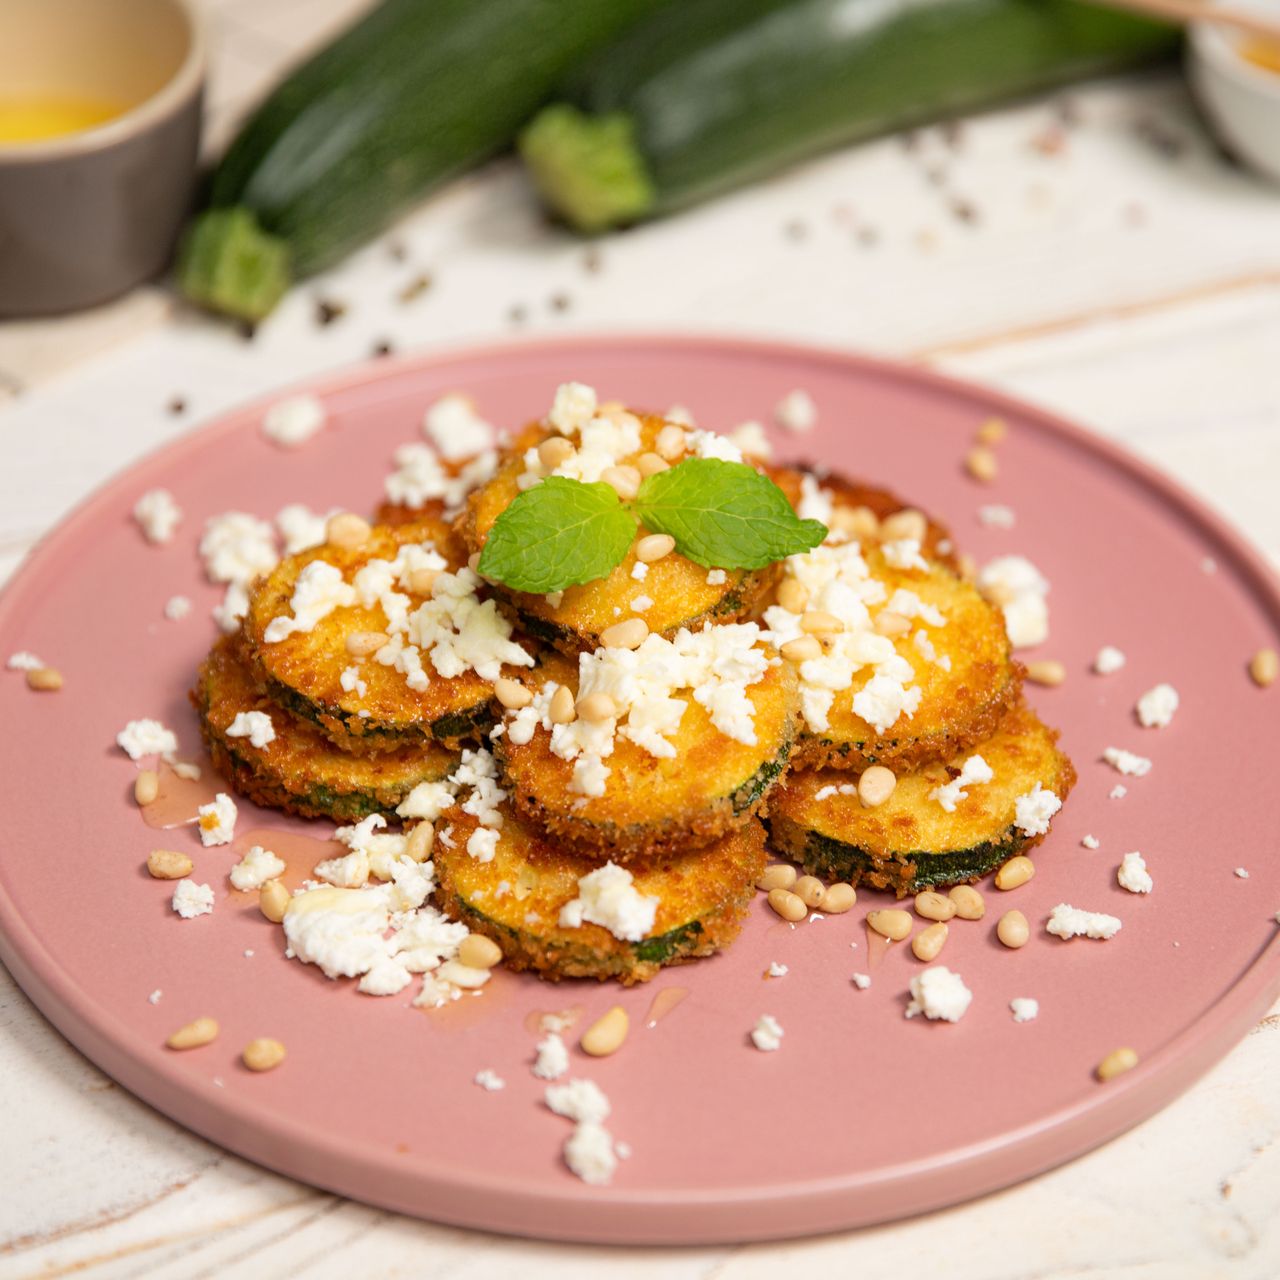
712	94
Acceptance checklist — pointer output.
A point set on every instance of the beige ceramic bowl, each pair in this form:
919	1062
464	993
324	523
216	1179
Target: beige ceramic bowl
85	216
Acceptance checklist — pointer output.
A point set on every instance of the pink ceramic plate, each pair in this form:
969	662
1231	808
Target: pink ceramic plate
376	1100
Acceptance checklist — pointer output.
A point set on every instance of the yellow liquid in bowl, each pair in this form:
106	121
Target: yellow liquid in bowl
35	119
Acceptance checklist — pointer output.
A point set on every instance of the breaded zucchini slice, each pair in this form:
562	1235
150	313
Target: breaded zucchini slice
516	900
910	842
303	672
684	594
301	771
653	806
963	669
848	495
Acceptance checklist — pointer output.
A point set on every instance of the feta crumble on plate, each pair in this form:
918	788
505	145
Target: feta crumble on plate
1109	660
176	608
217	820
939	994
861	980
777	970
1066	921
767	1034
796	412
141	738
1126	762
490	1081
553	1057
24	661
589	1152
157	515
1025	1008
1132	874
294	420
1091	842
254	870
191	899
1156	707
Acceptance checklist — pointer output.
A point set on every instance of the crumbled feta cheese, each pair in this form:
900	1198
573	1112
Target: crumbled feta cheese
351	681
1242	873
816	503
974	770
1033	811
710	444
1090	842
1066	921
903	553
236	548
191	899
607	897
767	1034
796	412
217	820
456	429
996	516
141	738
641	603
293	421
639	571
157	515
1126	762
750	438
301	528
1132	873
318	591
1025	1009
573	408
938	993
861	980
154	997
832	789
230	611
777	970
553	1057
1019	588
716	577
254	725
578	1100
482	844
1109	660
349	871
176	608
420	477
24	661
589	1153
1119	791
254	870
490	1081
1156	707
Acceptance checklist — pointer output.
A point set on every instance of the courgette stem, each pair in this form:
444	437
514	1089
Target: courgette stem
230	264
588	169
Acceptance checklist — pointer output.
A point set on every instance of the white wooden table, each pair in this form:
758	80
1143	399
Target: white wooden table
1113	267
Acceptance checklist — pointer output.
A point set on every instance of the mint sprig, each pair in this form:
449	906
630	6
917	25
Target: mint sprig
722	515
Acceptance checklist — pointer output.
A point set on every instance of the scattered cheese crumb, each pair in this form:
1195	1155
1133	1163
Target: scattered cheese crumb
1119	791
716	577
141	738
751	439
639	571
1242	873
641	603
607	897
590	1154
861	980
996	516
254	870
553	1057
1019	588
154	997
1033	811
796	412
767	1034
1132	873
301	528
490	1081
1133	766
191	899
293	421
157	515
217	820
777	970
1025	1008
254	725
176	608
456	429
939	993
1109	660
1090	842
974	770
1156	707
1066	921
24	661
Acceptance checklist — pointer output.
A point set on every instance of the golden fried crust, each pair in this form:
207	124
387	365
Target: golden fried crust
433	512
957	708
910	841
300	771
303	671
848	494
654	807
702	898
681	594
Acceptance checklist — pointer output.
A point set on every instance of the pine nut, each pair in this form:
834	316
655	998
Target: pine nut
998	593
934	906
194	1034
928	942
649	464
463	975
263	1054
562	710
818	622
511	693
167	864
787	905
670	443
629	634
981	464
146	787
1265	667
606	1034
607	408
860	523
992	431
44	679
801	649
793	595
810	890
891	923
479	952
422	581
891	624
1015	873
596	707
1012	929
876	785
838	899
969	903
421	838
360	644
273	898
347	531
624	481
1116	1063
781	875
1047	671
555	452
907	523
654	546
473	561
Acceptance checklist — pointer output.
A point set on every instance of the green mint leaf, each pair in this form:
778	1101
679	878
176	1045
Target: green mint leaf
558	534
725	515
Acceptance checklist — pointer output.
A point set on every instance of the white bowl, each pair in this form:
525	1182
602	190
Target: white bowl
1242	100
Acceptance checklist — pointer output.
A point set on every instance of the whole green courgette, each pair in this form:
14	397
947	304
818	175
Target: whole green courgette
413	94
714	93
